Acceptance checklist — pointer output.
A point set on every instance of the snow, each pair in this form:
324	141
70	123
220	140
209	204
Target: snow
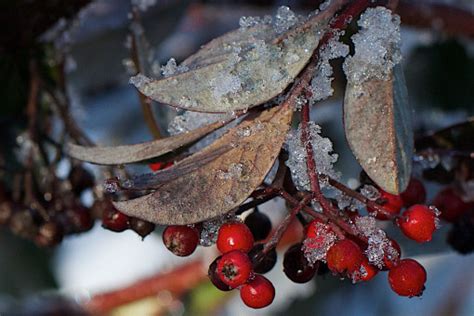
377	46
323	155
143	5
284	19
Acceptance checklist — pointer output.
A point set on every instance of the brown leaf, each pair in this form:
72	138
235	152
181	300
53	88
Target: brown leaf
377	122
132	153
237	71
223	183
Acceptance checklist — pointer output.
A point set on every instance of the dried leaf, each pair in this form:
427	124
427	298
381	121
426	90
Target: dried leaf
138	152
234	72
223	183
377	122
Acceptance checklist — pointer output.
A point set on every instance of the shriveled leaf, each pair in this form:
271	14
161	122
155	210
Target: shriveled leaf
378	127
242	69
225	182
114	155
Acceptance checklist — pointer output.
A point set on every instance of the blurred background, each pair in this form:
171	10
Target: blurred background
439	66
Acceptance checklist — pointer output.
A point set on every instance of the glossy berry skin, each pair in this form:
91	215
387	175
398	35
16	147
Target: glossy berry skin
141	227
390	260
345	256
450	204
234	268
259	224
234	236
114	220
258	293
415	193
266	262
390	202
180	239
216	281
418	223
296	267
407	278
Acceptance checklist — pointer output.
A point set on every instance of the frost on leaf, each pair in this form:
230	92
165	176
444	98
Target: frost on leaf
238	70
216	186
377	117
323	156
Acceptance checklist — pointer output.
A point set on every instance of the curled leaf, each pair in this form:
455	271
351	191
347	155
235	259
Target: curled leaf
237	71
377	122
114	155
223	183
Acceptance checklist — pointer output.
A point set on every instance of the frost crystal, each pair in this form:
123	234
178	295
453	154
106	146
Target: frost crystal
321	83
379	246
370	192
250	21
139	80
377	46
211	227
171	68
316	248
284	19
189	121
235	171
224	84
323	156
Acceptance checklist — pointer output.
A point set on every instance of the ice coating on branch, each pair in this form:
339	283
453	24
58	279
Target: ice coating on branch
284	19
377	46
379	246
321	83
370	192
323	156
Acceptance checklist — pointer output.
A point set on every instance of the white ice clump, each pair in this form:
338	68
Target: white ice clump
379	246
189	121
171	68
250	21
323	156
284	19
370	192
316	248
225	83
321	83
377	46
235	171
143	5
139	80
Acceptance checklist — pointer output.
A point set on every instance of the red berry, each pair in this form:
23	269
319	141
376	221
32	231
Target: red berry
296	267
390	202
418	223
407	278
181	240
317	229
234	236
392	256
415	193
213	276
114	220
450	205
258	293
366	271
344	256
234	268
156	166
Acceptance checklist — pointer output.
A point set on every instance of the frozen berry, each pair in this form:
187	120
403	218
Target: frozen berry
262	263
114	220
450	204
181	240
159	165
141	227
317	229
418	223
390	203
49	235
295	265
234	268
234	236
345	256
415	193
259	224
366	272
461	235
212	274
258	293
392	255
407	278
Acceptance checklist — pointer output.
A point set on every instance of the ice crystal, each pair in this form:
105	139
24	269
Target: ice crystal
143	5
321	83
323	156
211	227
171	68
376	46
235	171
250	21
284	19
189	121
370	192
316	248
225	83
